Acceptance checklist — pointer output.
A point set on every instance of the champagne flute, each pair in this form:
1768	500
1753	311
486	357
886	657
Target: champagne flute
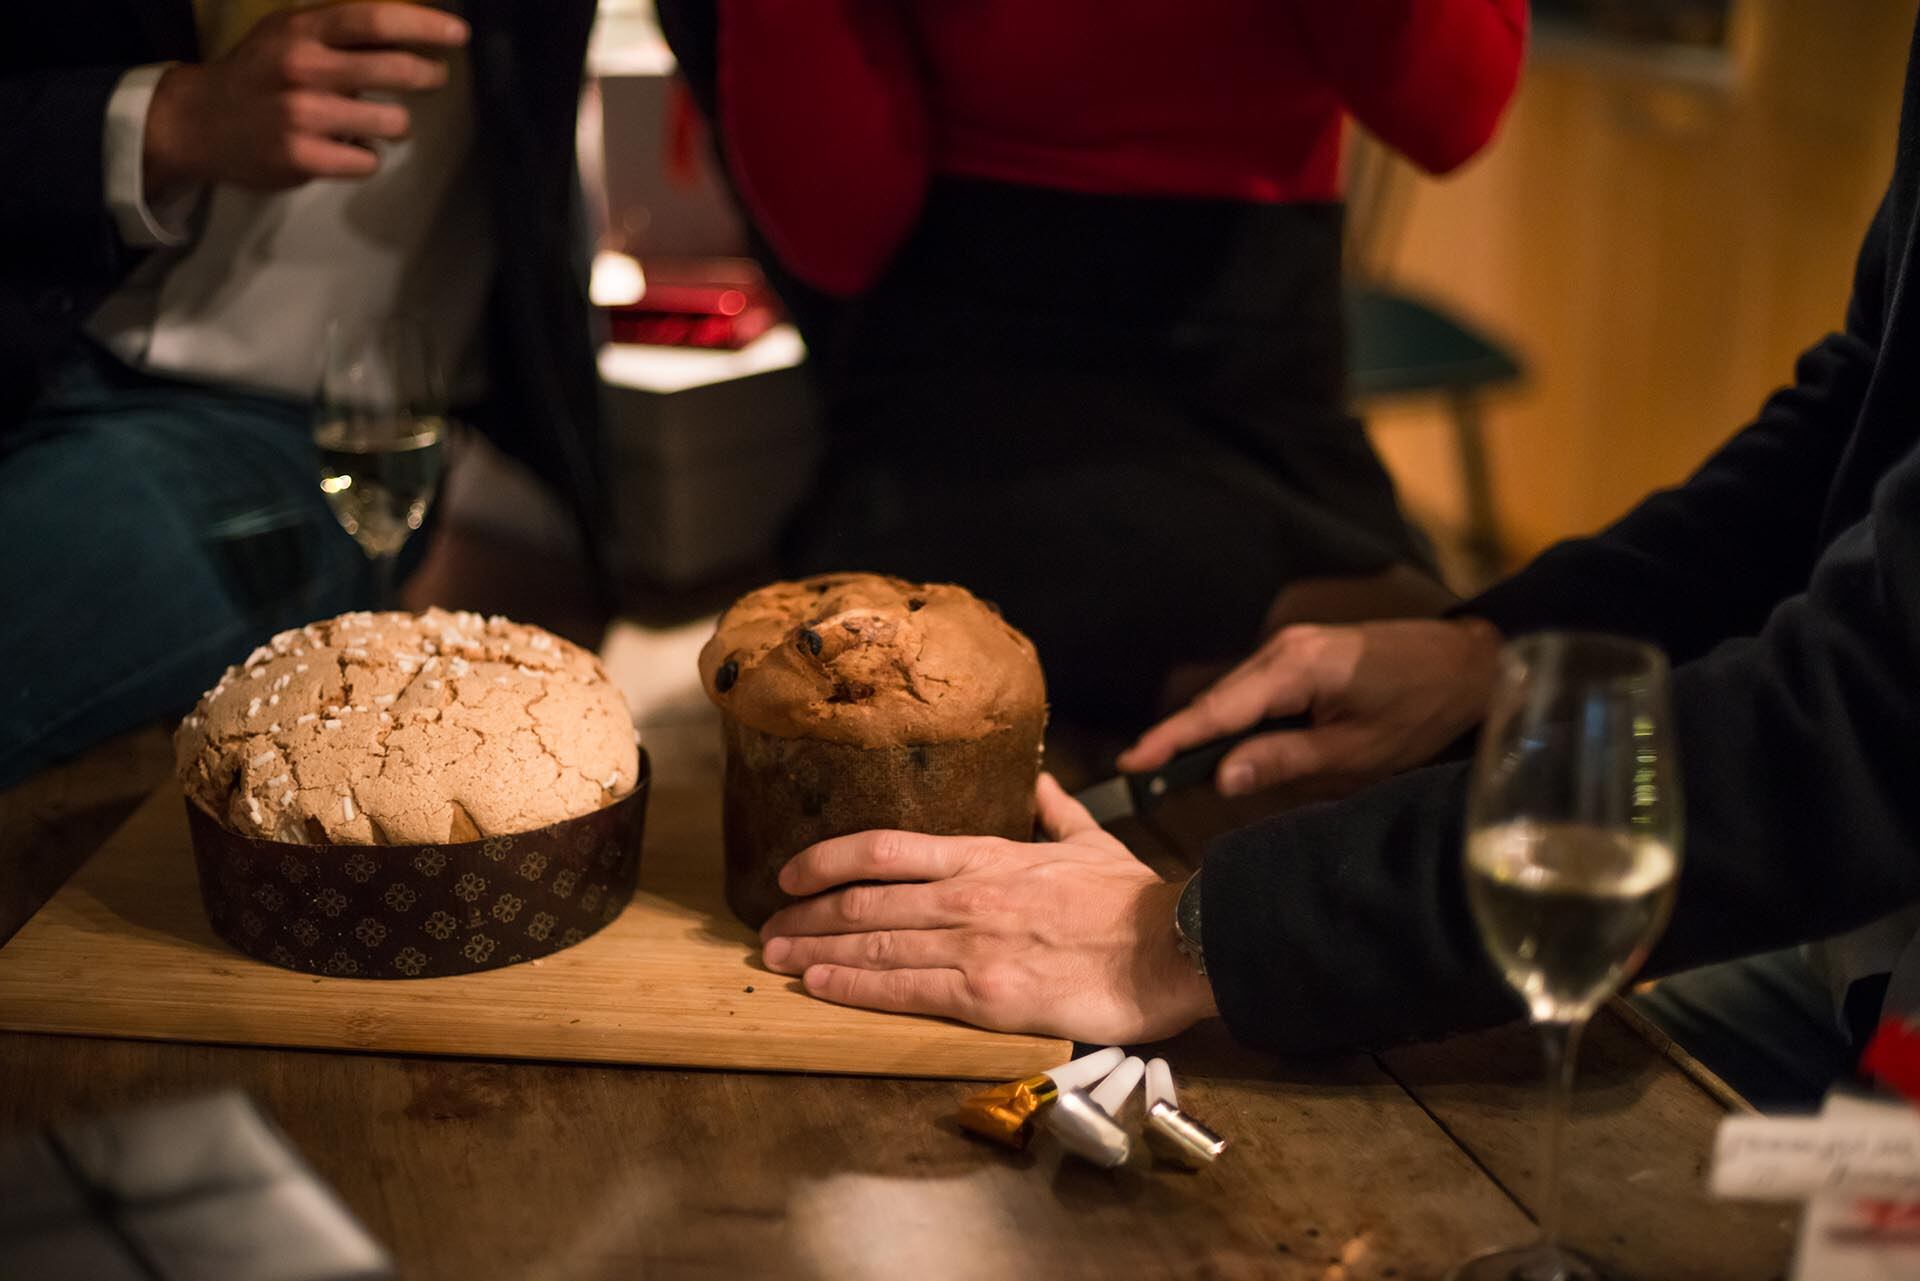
1572	854
380	423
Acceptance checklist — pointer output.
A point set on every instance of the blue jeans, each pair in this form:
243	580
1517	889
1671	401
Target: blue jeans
151	532
1765	1025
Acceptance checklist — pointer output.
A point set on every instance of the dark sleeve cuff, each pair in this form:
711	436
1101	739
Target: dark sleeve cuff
1551	592
1345	926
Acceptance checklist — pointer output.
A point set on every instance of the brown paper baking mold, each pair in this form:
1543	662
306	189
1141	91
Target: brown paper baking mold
421	911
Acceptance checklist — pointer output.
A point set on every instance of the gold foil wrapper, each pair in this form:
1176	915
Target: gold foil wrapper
1006	1113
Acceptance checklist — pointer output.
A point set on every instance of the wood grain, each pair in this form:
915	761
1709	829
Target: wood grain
53	821
552	1172
1637	1149
473	1170
125	950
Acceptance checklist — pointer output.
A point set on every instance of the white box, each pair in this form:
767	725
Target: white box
708	455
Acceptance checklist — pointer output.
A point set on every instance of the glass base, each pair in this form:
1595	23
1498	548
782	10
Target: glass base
1528	1263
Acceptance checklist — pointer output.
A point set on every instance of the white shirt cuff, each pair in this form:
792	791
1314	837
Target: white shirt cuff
142	226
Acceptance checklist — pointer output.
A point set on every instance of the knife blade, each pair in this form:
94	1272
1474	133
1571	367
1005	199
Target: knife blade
1134	794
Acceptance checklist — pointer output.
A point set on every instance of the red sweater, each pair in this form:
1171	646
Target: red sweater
835	113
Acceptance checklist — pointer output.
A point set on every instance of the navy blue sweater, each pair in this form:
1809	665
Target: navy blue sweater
1784	581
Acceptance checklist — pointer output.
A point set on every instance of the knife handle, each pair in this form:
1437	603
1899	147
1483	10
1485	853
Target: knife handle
1197	765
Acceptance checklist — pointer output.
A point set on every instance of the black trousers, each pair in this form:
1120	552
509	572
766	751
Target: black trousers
1122	419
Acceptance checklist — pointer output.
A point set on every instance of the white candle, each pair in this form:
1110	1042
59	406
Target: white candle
1160	1083
1111	1094
1087	1069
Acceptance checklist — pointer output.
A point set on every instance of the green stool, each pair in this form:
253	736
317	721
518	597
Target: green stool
1399	345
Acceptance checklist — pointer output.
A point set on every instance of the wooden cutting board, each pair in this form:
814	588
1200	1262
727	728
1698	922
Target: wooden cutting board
125	950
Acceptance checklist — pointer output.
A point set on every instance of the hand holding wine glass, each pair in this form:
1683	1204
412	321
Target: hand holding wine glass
1572	855
380	423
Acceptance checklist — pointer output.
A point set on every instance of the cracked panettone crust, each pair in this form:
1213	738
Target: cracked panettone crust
400	728
871	661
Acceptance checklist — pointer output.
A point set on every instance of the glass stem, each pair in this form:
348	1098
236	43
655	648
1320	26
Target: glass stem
385	584
1562	1043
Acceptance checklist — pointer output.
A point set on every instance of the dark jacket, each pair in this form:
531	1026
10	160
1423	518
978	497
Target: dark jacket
1784	580
60	255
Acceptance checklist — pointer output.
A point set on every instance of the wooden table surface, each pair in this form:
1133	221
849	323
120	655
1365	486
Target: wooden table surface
1359	1167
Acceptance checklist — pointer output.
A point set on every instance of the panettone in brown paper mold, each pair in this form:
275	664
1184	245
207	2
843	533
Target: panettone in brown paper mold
855	701
420	911
406	795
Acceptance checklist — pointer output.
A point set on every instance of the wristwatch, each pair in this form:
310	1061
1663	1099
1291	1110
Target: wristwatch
1186	924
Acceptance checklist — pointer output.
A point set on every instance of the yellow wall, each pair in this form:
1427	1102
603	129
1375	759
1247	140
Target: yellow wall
1658	251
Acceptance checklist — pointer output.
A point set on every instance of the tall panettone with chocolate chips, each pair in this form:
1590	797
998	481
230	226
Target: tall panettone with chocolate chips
854	701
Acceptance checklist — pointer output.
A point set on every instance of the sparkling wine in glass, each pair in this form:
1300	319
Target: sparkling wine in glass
1572	854
380	424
